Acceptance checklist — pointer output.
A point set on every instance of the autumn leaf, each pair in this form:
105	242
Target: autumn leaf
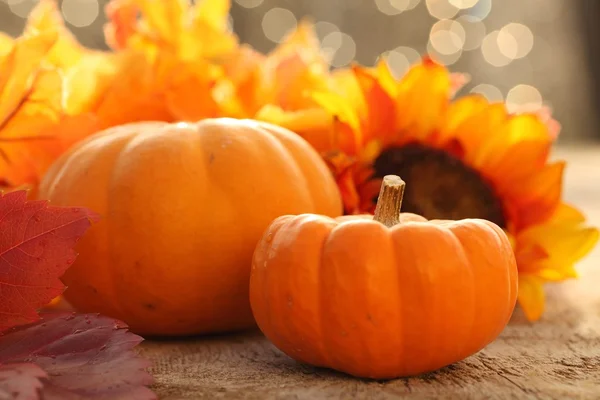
21	381
18	70
188	31
83	356
45	17
6	43
87	73
283	80
137	93
35	250
35	127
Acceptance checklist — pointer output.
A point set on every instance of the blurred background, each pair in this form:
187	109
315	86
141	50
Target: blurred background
524	52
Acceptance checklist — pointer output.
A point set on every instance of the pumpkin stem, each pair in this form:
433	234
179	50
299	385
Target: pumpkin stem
389	201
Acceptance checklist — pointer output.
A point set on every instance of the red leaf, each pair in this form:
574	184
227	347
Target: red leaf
21	381
36	248
86	356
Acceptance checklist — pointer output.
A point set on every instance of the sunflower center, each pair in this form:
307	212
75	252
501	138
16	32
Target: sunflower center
440	186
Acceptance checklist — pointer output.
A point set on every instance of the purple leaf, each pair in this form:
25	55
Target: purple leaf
85	356
21	381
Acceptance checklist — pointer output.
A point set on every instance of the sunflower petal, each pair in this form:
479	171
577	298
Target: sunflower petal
536	197
567	214
524	141
531	296
337	107
475	130
422	96
346	84
380	120
564	242
386	78
458	112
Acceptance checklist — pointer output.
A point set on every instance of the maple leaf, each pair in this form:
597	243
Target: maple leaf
36	242
281	81
21	381
83	356
190	31
87	72
34	129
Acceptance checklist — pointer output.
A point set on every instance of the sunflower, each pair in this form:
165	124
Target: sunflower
461	158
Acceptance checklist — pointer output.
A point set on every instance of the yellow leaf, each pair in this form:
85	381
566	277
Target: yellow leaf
87	82
6	43
18	70
213	12
36	131
189	91
422	97
137	92
172	26
45	17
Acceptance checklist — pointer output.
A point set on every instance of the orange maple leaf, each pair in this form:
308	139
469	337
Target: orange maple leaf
34	128
188	31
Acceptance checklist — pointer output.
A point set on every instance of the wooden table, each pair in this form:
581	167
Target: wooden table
555	358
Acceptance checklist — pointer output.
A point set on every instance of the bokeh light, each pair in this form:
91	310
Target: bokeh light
324	28
462	4
249	3
523	98
277	23
400	59
515	40
456	28
490	47
340	47
490	92
474	31
22	8
447	36
412	4
481	10
80	13
441	58
392	7
441	9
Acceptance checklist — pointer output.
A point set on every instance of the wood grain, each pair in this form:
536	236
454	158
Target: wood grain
555	358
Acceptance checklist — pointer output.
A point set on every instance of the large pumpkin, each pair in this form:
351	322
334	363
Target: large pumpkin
183	207
383	297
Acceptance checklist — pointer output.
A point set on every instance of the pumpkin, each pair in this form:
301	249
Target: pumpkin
386	296
183	206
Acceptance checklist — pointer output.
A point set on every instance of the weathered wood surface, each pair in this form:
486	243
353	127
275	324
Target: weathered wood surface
556	358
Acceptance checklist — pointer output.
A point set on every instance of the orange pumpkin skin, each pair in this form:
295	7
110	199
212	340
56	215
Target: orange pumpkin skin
375	302
183	207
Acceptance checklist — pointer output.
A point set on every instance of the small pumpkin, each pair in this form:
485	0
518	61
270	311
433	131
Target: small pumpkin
183	207
386	296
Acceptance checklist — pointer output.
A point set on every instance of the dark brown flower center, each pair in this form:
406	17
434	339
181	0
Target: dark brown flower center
440	186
